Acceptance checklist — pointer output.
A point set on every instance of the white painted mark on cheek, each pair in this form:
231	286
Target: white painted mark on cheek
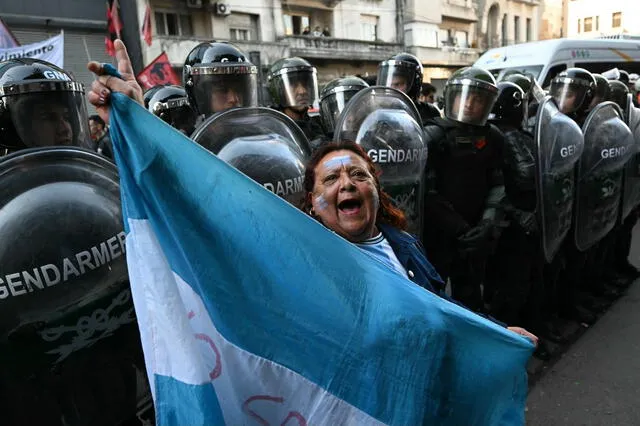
321	203
343	160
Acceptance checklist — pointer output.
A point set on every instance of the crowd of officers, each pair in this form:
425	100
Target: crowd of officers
481	228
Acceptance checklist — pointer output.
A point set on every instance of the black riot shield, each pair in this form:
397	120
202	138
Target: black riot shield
68	334
631	188
387	125
262	143
559	144
608	145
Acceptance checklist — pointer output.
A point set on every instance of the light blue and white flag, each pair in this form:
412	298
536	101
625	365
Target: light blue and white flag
252	313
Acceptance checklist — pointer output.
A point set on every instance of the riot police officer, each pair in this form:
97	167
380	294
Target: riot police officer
218	76
618	93
293	86
334	98
41	105
404	72
573	90
171	104
67	324
514	275
464	183
597	196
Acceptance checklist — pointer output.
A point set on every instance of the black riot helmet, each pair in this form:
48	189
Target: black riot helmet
218	76
523	81
618	93
334	98
624	77
171	104
511	106
41	105
293	83
469	96
573	90
603	90
403	72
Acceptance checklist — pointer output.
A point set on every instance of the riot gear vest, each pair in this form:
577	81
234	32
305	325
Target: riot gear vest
464	164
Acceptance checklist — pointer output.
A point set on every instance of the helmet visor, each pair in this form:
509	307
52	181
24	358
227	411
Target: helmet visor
50	119
297	88
400	77
331	107
219	92
569	96
468	104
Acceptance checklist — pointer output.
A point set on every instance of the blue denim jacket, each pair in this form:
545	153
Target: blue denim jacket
411	255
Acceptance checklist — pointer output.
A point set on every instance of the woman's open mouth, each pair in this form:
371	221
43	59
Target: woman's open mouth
350	207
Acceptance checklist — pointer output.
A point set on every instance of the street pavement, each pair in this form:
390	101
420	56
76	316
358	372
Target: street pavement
597	380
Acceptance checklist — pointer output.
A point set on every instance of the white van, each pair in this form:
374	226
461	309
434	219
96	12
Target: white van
547	58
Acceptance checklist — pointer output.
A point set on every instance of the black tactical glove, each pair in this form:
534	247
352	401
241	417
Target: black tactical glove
477	239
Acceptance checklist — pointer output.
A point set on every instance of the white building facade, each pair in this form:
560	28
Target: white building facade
356	34
592	18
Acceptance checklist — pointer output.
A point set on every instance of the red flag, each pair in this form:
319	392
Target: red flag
108	40
115	16
146	25
7	38
158	72
114	26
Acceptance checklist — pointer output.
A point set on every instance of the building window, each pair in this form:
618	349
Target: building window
173	24
516	29
579	26
369	27
243	26
529	29
295	24
239	34
616	21
597	23
461	39
588	24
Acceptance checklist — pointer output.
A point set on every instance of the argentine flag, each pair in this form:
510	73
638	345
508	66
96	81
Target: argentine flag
252	313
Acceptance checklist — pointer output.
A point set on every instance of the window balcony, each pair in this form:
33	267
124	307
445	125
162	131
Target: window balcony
340	49
446	56
177	48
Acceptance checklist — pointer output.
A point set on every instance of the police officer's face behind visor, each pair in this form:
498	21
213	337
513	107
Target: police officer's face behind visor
344	197
51	125
400	83
224	98
301	93
473	106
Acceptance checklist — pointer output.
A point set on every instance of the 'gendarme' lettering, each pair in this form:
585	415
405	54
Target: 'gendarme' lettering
396	155
49	275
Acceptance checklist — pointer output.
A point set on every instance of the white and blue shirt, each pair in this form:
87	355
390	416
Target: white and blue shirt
380	248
